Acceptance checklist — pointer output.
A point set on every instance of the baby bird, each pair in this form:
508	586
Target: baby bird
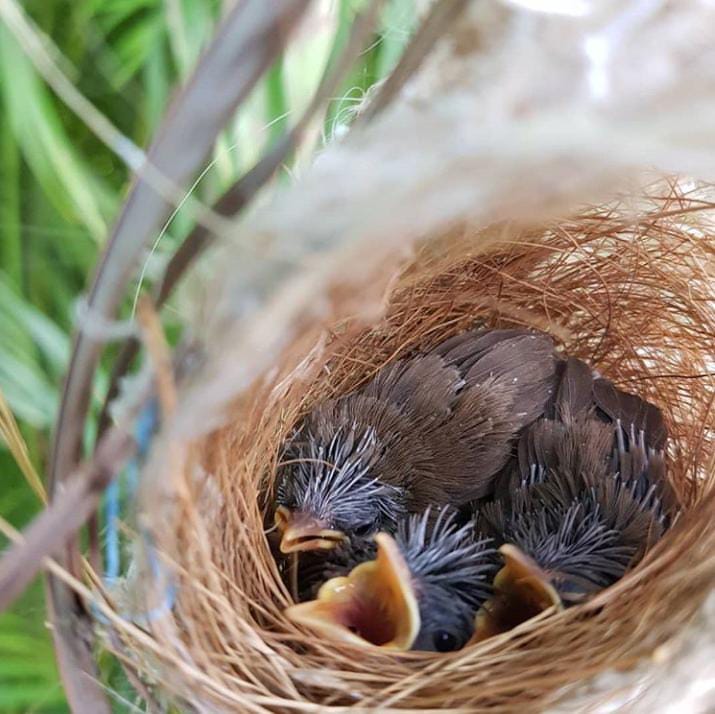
418	591
430	429
587	498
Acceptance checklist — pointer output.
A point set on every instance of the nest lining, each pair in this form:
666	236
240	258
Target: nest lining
626	291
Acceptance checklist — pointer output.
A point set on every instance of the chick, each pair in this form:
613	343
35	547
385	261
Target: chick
418	591
587	498
430	429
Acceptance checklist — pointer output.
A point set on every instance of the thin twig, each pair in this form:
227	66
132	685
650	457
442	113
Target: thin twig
131	673
440	16
160	354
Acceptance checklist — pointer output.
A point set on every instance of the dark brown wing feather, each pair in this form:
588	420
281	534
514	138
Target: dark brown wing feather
508	377
423	386
447	419
545	443
575	392
640	441
632	412
655	474
576	439
465	349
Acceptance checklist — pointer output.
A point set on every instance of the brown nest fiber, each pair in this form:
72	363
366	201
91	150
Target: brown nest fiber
626	289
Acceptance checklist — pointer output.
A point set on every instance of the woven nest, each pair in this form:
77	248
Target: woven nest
384	247
627	290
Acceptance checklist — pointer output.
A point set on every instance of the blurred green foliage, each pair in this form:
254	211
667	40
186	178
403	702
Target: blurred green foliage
61	188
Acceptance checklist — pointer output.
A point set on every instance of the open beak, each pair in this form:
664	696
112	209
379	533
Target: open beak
374	604
303	532
522	590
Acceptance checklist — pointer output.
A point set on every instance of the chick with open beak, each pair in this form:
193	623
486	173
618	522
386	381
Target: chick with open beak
588	496
419	592
430	429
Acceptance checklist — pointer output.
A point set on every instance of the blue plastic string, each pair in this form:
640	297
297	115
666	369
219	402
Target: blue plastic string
144	429
130	477
111	534
143	432
157	571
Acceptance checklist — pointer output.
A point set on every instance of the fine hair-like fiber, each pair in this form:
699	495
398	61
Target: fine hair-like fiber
625	286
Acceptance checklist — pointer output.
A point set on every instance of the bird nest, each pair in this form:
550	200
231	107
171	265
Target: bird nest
625	288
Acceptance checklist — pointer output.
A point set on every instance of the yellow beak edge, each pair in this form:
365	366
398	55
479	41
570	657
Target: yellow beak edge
301	532
374	604
522	590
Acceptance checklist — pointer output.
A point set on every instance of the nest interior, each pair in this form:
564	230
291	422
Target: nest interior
625	288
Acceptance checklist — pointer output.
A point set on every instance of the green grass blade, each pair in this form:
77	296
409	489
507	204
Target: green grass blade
276	101
398	21
45	146
10	215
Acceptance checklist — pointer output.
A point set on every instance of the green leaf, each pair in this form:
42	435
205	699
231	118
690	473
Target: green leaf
276	101
133	47
157	79
111	14
43	141
28	674
10	215
399	19
50	340
31	397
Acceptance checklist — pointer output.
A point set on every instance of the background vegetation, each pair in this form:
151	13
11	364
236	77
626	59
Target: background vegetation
60	189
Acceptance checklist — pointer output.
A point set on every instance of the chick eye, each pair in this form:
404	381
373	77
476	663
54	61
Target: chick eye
444	641
364	530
